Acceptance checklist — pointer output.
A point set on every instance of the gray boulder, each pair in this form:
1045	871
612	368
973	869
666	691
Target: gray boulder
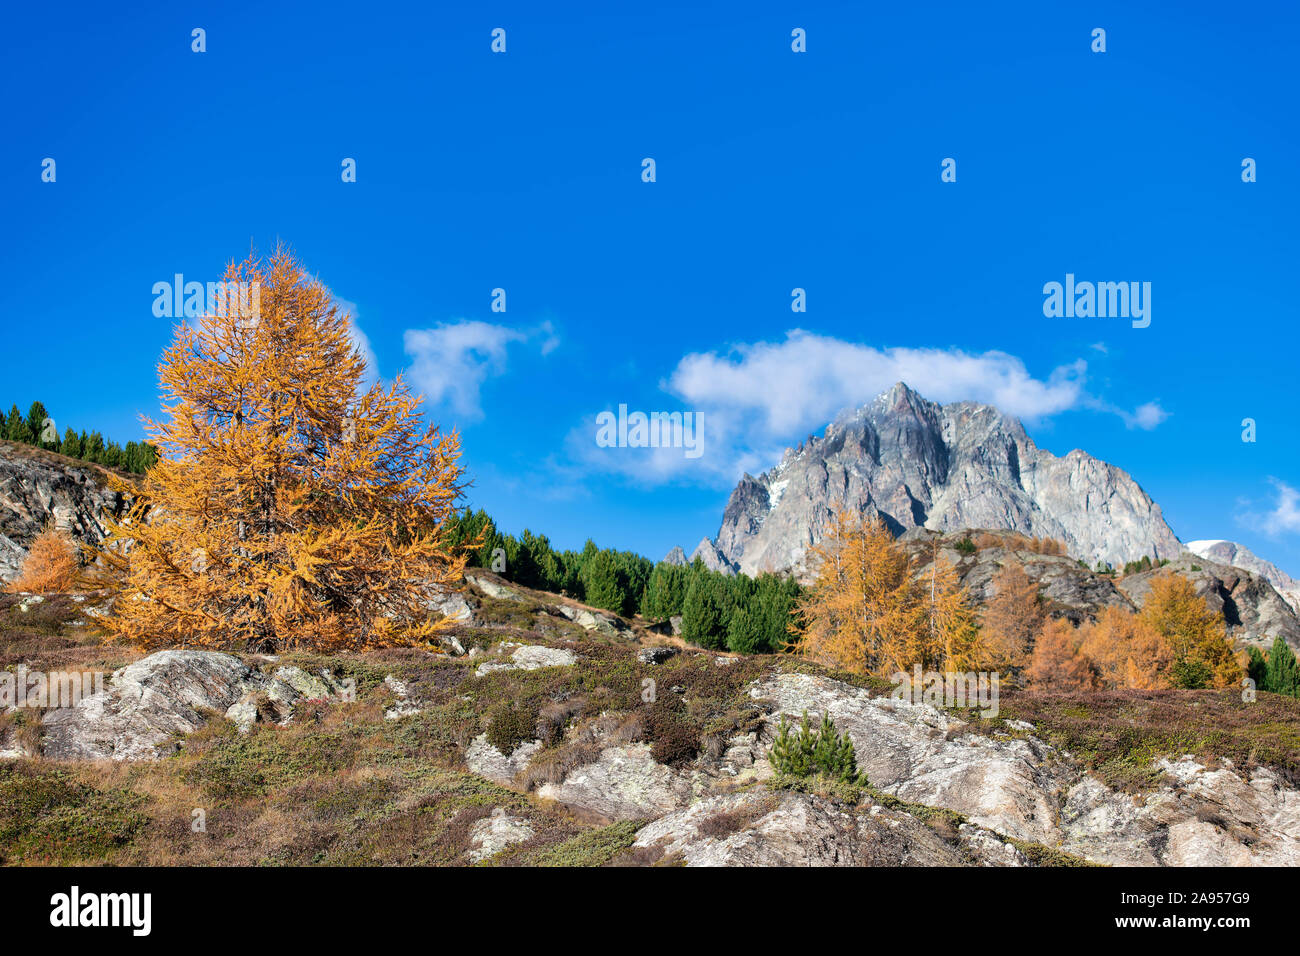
146	704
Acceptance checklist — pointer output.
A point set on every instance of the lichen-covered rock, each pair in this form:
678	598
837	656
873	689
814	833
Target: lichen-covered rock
453	606
146	703
485	760
495	832
655	655
781	828
623	783
1201	817
1025	789
527	657
149	702
604	623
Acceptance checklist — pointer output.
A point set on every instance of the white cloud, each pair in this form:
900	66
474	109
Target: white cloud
759	397
361	342
1145	417
1285	515
807	378
453	360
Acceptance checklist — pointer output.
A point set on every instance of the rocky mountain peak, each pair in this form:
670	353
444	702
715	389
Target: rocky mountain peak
918	464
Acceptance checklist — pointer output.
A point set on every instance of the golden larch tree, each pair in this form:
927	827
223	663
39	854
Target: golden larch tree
1012	617
951	639
1056	663
1127	652
1197	638
866	611
290	506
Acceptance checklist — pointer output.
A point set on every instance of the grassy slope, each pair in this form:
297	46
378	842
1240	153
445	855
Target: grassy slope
342	785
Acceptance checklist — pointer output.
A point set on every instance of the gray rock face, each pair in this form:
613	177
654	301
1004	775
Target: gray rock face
1021	787
36	489
623	783
172	692
1238	556
676	556
915	463
713	557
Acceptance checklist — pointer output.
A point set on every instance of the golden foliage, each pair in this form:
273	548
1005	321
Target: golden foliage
866	612
1012	617
1193	632
289	508
51	565
1057	664
1127	651
1015	541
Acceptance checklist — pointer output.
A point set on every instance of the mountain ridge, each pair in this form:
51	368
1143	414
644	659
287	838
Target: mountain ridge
915	463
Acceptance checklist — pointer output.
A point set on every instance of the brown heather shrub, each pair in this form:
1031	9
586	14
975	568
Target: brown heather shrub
672	740
553	719
726	822
509	726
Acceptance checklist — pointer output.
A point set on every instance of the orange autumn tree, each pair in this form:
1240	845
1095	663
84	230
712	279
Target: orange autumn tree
1012	617
1127	652
51	564
1056	663
290	507
1198	643
866	612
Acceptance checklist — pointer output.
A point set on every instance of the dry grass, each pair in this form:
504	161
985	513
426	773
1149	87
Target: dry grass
343	786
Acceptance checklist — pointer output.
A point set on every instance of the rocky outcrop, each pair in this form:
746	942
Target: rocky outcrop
623	783
763	828
37	488
526	657
146	705
485	760
1018	786
495	832
593	620
1239	556
915	463
1252	610
1070	590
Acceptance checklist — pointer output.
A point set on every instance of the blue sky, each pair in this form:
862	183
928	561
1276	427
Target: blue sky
774	170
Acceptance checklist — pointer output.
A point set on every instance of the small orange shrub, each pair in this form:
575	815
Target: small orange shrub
51	563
